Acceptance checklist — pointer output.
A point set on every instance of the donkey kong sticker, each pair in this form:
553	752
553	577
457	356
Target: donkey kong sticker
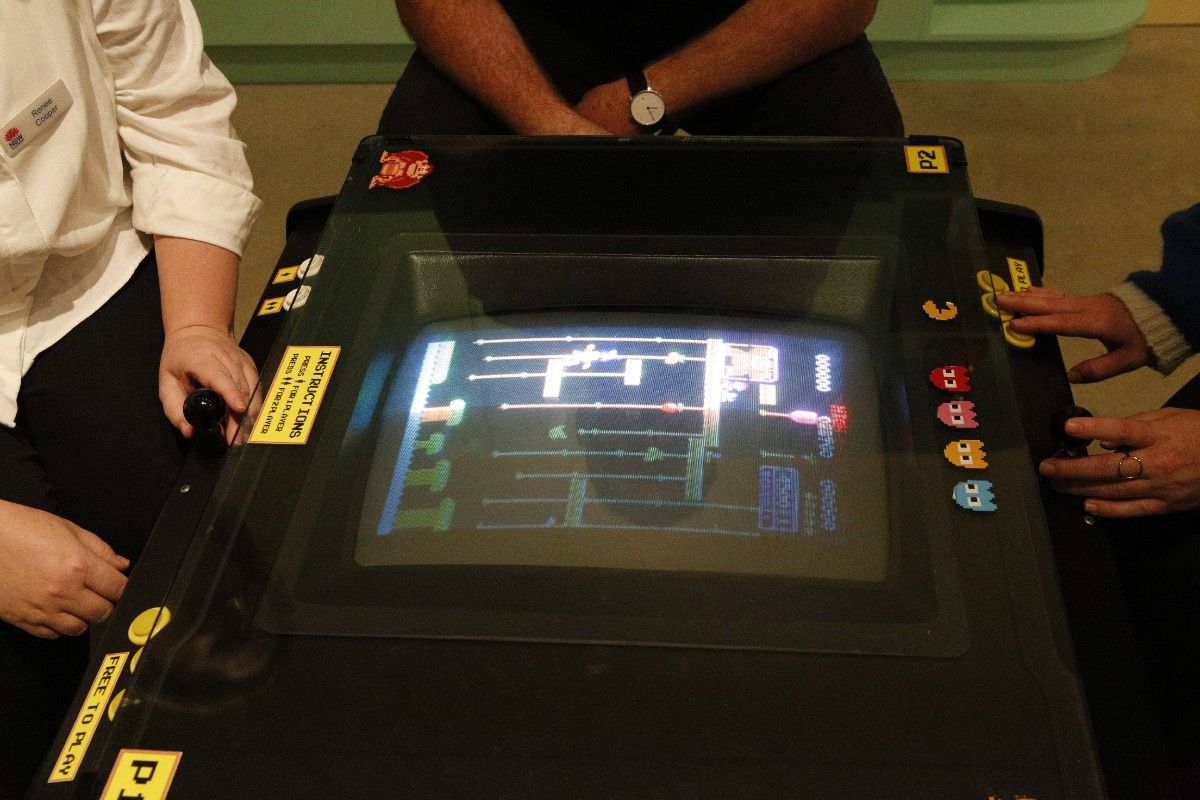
401	170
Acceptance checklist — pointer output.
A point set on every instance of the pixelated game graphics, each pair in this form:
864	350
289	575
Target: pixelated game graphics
974	495
951	378
958	414
966	453
401	169
940	313
714	432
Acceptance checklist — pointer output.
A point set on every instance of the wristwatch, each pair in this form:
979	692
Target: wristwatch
646	106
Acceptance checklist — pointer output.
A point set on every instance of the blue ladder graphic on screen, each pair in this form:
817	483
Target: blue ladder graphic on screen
435	368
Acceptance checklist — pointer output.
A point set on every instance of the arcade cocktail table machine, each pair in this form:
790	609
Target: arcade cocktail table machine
687	468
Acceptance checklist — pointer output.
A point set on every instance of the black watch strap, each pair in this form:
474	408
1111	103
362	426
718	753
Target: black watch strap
636	80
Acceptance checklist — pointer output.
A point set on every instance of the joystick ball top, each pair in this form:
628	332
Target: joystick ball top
203	407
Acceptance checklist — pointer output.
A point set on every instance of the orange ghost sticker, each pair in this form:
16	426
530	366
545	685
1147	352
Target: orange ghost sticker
966	453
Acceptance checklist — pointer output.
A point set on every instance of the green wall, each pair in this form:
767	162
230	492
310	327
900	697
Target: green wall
305	41
361	41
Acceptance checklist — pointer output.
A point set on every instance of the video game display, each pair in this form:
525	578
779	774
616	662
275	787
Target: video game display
657	443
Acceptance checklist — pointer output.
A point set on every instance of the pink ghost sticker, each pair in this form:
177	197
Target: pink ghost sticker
951	379
958	414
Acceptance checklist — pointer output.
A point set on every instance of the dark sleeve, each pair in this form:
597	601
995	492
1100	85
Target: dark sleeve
1176	286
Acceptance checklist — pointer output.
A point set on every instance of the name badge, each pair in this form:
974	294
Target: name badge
36	118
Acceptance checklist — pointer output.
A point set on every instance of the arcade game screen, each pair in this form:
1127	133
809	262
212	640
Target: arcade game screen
543	462
631	442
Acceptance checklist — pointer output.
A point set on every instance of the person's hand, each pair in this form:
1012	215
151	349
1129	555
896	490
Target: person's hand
579	125
1100	316
55	577
1156	469
199	355
555	119
607	105
564	121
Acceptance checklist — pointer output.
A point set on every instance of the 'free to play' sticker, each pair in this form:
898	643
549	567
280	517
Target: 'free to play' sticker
36	118
291	403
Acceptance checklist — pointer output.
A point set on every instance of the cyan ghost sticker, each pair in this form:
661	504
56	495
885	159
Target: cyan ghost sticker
975	495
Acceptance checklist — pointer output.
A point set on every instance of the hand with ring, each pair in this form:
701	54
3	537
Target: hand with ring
1154	467
1135	469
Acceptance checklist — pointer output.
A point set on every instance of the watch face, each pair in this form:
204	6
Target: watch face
647	108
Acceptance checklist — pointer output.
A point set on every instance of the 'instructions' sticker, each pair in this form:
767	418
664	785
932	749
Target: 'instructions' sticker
291	403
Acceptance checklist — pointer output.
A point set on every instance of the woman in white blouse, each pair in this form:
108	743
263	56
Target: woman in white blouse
116	139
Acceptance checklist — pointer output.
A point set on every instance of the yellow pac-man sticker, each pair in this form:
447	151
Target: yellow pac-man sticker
141	774
942	313
926	159
88	719
290	405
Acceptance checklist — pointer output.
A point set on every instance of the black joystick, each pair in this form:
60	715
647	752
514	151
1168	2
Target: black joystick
1058	422
205	410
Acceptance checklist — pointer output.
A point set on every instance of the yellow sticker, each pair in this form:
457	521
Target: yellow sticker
1022	278
291	403
929	159
942	313
286	274
88	719
141	774
272	305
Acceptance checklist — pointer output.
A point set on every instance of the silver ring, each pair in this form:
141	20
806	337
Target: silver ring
1121	467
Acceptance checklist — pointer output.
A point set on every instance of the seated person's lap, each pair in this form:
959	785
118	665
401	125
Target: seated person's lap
1159	561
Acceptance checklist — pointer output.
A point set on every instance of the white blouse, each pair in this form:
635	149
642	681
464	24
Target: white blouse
114	126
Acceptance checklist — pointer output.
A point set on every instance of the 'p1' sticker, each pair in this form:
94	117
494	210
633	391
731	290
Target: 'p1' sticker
145	774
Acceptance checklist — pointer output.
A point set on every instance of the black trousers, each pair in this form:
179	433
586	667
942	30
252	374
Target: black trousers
1159	562
91	444
843	93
